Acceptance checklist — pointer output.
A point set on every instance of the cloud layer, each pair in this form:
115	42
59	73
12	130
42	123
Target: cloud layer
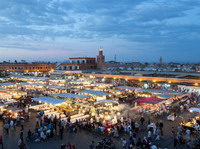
129	28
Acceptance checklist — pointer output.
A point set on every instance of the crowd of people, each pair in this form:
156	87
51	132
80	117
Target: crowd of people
127	129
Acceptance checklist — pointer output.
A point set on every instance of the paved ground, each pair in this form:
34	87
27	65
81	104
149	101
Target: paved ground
81	139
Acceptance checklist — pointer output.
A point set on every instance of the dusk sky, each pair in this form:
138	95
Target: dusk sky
134	30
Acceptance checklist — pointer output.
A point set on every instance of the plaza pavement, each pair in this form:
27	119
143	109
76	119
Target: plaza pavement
83	138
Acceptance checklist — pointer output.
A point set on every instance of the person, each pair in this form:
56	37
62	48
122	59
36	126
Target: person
21	136
153	146
116	134
149	135
7	128
20	143
29	134
68	146
175	142
187	132
166	147
139	143
42	136
173	132
149	121
92	145
73	146
161	125
61	133
22	124
1	141
142	120
188	145
123	143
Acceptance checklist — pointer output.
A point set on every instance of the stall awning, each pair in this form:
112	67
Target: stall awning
165	96
49	100
93	92
7	84
58	87
38	84
188	115
194	109
105	101
24	83
119	89
3	89
70	95
154	91
148	100
127	87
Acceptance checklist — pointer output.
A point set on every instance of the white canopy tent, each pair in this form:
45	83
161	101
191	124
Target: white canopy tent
70	95
7	84
49	100
158	91
194	109
105	101
127	87
93	92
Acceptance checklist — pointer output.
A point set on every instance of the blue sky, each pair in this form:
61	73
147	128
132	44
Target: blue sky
134	30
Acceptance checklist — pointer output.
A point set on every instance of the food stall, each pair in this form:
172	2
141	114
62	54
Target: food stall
149	105
7	94
14	112
188	120
98	95
70	96
197	111
49	106
2	109
58	89
8	85
128	88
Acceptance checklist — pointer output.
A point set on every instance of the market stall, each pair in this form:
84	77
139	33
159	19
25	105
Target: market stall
149	105
197	111
8	85
58	89
70	95
188	120
98	95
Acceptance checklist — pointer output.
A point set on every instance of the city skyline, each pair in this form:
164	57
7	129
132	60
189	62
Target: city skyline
139	30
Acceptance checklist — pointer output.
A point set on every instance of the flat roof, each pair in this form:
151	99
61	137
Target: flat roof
82	58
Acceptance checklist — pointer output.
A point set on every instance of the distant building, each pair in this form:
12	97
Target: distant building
84	63
20	67
79	63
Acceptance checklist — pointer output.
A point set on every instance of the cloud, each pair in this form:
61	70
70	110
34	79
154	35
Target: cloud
152	23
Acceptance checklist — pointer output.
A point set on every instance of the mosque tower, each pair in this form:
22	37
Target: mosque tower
161	61
101	60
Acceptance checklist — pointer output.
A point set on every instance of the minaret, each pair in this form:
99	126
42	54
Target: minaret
101	60
161	62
